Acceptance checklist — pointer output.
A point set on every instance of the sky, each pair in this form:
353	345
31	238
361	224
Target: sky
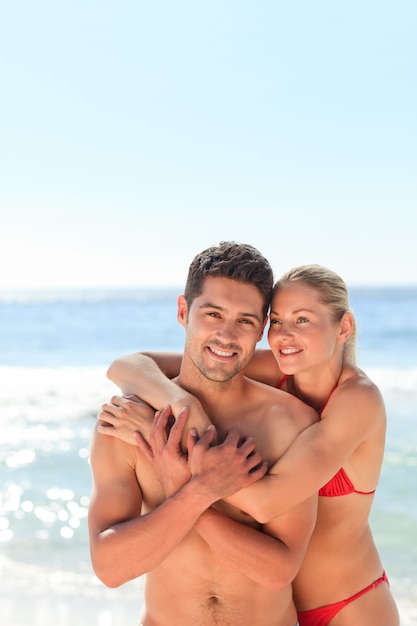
135	134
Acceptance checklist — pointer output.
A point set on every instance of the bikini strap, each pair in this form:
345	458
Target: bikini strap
283	380
320	411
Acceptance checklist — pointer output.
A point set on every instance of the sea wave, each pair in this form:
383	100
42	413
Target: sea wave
52	394
66	393
395	379
82	295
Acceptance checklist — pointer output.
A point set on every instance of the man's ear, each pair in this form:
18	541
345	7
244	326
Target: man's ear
346	327
261	334
182	313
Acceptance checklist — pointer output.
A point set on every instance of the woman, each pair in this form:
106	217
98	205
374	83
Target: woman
312	337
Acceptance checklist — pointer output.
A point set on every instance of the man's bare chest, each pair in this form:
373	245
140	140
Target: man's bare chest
264	430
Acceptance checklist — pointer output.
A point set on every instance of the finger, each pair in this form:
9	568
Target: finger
144	446
132	397
247	446
259	472
116	400
105	429
177	430
192	438
232	438
208	436
126	400
254	460
155	423
159	428
109	408
105	416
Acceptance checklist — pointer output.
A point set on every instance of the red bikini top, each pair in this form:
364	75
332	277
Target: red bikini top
340	484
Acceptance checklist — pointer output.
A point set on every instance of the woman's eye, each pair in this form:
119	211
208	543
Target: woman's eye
275	322
302	320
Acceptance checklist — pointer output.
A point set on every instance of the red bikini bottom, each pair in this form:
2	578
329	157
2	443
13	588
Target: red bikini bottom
322	615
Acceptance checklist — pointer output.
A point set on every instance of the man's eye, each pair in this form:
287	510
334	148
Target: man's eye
302	320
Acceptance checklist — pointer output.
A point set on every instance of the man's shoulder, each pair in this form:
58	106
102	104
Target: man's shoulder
280	418
286	407
110	450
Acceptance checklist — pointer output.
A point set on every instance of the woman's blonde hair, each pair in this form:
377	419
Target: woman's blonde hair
332	291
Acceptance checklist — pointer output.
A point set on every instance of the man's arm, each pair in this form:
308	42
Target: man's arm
294	529
269	557
125	544
265	559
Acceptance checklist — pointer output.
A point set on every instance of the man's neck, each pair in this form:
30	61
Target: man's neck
217	398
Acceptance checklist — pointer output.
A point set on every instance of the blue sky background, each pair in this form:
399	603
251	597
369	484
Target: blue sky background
134	134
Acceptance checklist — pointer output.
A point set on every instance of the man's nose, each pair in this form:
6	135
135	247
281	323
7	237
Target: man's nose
227	330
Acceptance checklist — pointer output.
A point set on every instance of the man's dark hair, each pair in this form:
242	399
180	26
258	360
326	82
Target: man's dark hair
229	259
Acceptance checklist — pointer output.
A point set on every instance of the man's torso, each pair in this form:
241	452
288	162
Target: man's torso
195	585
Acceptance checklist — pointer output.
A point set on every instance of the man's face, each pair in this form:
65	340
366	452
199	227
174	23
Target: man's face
223	326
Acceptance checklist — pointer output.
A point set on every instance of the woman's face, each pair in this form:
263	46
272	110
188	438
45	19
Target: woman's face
302	332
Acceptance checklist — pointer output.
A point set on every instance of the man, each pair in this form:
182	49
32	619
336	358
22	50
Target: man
153	511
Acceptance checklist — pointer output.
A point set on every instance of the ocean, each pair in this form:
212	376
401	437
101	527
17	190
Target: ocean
54	350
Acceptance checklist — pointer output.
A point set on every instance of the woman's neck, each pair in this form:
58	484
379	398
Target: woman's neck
314	388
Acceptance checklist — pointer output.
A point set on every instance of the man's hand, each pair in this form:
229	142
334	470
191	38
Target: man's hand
125	415
219	470
227	467
164	450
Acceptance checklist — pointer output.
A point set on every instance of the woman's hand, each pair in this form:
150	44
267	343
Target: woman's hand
122	416
197	417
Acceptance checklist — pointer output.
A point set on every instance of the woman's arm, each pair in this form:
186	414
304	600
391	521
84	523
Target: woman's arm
139	376
262	367
355	423
313	458
147	376
142	374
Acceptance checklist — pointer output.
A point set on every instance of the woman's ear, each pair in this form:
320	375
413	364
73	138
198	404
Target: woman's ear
346	327
182	312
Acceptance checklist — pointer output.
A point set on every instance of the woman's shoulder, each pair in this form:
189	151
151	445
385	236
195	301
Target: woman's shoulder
354	378
356	391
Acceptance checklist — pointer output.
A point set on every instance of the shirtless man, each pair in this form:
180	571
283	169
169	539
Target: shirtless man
157	512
